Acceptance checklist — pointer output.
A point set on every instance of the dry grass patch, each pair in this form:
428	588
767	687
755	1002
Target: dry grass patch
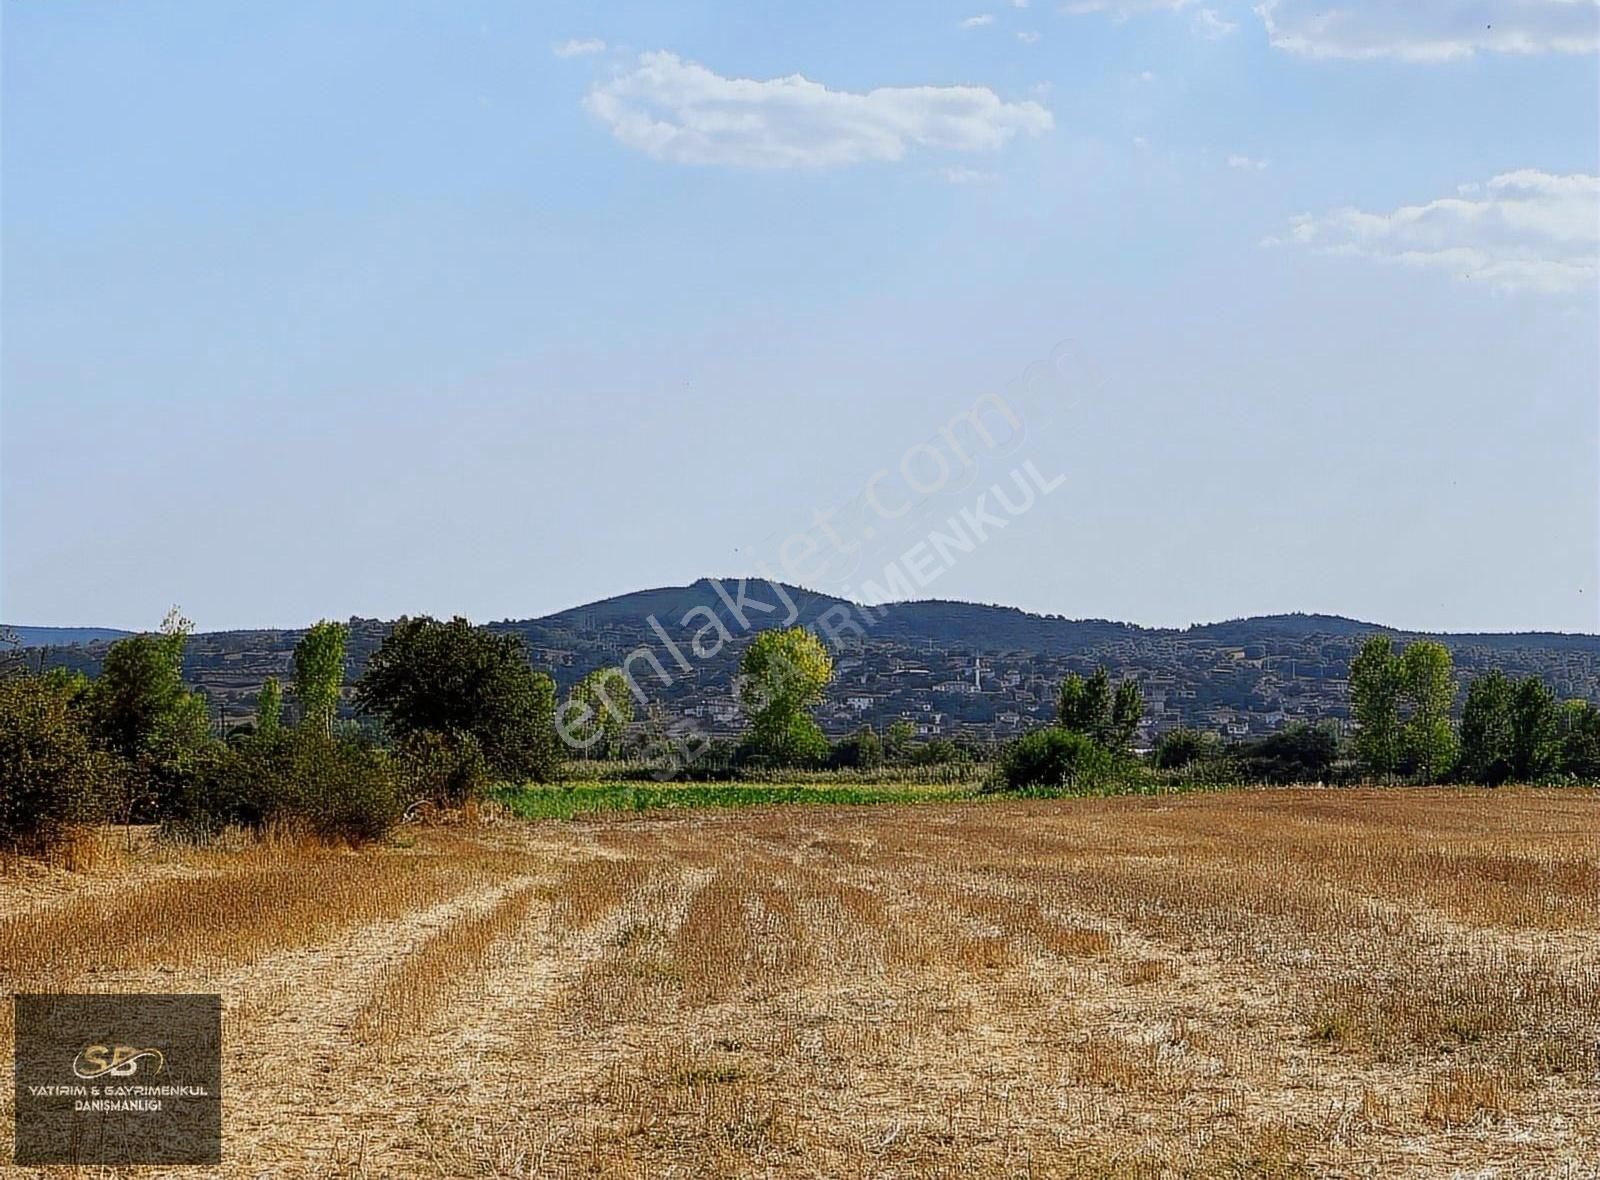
1260	984
442	968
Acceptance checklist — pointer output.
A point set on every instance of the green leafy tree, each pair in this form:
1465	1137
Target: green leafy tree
1536	739
269	708
1488	731
1428	686
72	685
50	775
1096	710
319	674
139	709
781	676
1086	706
1375	702
1580	741
1126	712
897	739
454	678
605	700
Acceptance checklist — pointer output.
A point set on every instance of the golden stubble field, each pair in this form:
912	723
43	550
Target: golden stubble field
1317	983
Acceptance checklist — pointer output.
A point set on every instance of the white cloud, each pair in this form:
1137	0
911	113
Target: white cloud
1246	164
579	48
968	176
1122	9
1208	24
680	111
1525	230
1431	30
977	22
1028	38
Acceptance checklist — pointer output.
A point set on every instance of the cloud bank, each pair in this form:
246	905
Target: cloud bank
1522	231
1431	30
1122	8
682	112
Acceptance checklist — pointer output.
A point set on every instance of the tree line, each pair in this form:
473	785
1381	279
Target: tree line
444	708
1404	730
1508	731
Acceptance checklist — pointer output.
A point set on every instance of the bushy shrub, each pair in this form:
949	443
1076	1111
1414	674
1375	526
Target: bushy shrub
799	743
336	788
343	789
1180	748
51	777
938	752
445	769
1053	760
1298	754
862	750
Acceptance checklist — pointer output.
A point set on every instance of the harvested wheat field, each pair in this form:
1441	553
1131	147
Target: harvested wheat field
1288	983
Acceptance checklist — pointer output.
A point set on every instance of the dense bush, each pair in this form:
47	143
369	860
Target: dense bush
1178	749
862	750
1049	760
444	769
937	752
51	777
342	789
139	709
1298	754
799	742
336	788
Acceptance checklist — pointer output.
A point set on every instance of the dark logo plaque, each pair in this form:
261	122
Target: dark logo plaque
109	1079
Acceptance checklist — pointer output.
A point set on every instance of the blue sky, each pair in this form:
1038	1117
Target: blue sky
316	310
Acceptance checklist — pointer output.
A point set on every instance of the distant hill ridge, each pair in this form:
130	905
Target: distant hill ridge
65	636
917	617
954	668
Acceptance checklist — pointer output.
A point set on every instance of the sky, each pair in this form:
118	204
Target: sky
369	309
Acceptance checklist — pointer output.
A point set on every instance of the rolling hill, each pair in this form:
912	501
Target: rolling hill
952	667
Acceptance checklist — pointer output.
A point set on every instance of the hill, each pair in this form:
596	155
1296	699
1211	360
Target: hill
951	667
65	636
